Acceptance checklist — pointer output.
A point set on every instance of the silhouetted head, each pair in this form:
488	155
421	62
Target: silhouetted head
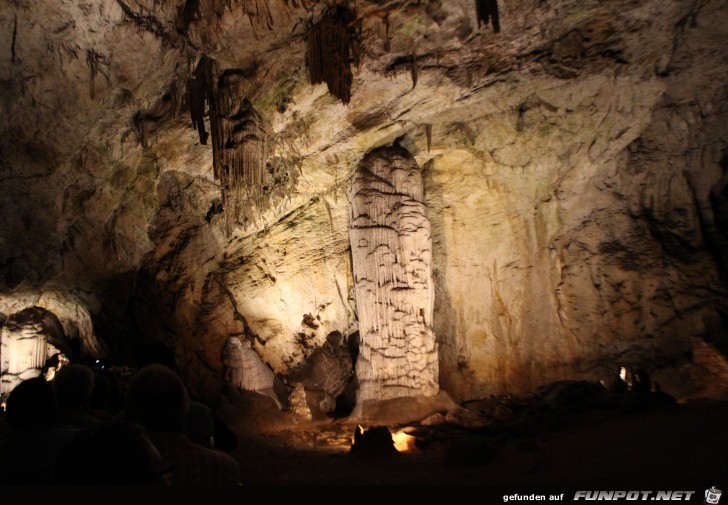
157	399
112	453
31	403
74	384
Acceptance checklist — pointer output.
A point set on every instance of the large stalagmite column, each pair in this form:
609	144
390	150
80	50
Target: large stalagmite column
391	252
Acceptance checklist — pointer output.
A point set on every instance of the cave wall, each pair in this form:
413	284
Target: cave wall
571	165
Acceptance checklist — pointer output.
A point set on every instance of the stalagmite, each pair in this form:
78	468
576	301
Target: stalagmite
243	367
391	252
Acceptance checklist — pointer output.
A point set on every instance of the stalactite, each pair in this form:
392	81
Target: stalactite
96	64
239	139
328	54
386	33
218	6
428	135
241	142
487	12
413	69
356	42
140	127
199	92
175	99
522	109
190	12
15	38
213	10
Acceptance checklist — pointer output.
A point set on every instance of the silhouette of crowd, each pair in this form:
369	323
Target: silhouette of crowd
83	428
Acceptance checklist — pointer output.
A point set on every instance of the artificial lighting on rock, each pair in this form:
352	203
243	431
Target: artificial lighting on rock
403	442
358	431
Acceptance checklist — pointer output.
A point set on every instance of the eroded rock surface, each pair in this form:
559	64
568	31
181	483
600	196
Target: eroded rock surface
573	167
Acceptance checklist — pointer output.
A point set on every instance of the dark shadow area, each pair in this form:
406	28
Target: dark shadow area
571	435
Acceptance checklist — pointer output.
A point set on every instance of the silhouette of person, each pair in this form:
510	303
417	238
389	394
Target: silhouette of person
202	426
157	399
74	385
200	423
117	452
32	438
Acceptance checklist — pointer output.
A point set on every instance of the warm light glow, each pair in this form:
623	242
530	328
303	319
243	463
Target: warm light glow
52	371
50	374
359	431
403	442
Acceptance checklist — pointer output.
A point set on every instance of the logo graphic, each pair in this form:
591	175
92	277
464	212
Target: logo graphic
712	496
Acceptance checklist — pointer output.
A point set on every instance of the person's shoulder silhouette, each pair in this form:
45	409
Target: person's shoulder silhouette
157	399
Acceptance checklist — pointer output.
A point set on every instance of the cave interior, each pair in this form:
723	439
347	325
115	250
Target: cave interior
493	233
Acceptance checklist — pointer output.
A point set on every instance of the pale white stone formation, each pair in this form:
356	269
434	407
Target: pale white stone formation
391	254
297	404
71	312
24	349
244	368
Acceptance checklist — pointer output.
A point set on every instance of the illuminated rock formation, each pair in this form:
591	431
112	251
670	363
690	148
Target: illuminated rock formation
391	252
243	367
24	346
573	164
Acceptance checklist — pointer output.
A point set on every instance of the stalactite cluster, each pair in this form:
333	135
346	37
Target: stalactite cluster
329	52
487	12
258	11
239	138
166	108
239	150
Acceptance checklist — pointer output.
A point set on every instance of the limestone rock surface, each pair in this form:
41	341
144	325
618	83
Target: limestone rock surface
573	175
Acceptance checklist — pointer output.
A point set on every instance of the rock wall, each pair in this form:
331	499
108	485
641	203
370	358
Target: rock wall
573	165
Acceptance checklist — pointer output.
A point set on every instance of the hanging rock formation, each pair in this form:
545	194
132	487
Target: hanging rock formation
239	154
329	48
391	252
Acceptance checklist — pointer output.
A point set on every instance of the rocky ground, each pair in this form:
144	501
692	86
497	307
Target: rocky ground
568	435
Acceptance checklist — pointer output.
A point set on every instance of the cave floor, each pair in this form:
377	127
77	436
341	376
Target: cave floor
682	447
